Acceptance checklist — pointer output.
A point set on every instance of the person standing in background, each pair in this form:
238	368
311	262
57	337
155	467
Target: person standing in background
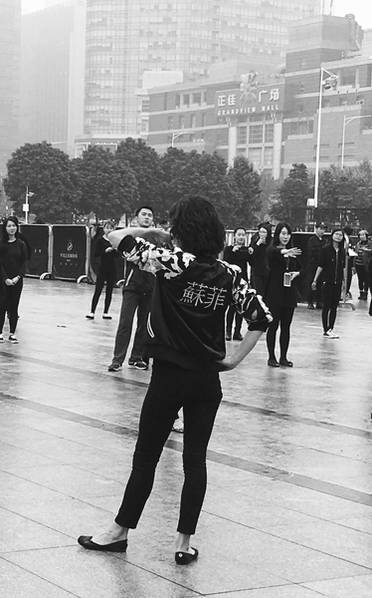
363	250
280	296
137	292
106	272
331	266
314	247
258	258
13	256
236	254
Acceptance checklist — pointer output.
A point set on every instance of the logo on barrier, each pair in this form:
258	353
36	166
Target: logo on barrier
69	251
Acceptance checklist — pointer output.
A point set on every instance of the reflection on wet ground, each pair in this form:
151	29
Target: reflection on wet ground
288	513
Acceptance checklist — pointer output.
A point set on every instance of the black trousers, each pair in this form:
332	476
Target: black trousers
259	282
171	387
331	294
231	315
362	278
103	277
9	301
282	316
131	302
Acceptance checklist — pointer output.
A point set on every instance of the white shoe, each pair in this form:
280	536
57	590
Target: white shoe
1	338
13	339
331	334
90	316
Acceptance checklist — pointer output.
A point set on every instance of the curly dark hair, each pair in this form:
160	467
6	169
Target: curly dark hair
196	225
278	229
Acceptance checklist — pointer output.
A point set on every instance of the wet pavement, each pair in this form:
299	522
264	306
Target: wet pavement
288	512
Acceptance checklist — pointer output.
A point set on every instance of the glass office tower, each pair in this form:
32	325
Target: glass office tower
125	37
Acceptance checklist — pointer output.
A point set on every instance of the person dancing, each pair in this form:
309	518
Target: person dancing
280	296
331	267
106	272
193	290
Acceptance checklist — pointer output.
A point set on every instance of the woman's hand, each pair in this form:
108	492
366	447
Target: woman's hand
294	275
225	365
109	249
313	285
292	252
9	282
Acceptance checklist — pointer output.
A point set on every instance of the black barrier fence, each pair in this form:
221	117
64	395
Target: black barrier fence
38	237
70	251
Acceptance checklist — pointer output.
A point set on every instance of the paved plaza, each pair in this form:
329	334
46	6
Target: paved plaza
288	512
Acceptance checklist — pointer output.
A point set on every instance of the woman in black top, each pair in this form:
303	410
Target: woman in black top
331	267
258	259
106	272
13	256
280	295
236	254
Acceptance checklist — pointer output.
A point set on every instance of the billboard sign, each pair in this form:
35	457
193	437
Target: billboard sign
249	98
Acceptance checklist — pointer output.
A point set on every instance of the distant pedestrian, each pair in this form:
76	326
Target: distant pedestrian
137	292
315	244
13	257
106	272
363	250
331	268
236	254
284	268
258	257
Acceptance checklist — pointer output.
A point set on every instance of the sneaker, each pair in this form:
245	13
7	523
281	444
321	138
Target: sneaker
1	338
132	362
330	334
13	339
141	365
178	426
106	317
114	367
90	316
237	336
310	306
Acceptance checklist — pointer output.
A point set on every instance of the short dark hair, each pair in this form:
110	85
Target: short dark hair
144	208
196	225
278	229
239	228
13	219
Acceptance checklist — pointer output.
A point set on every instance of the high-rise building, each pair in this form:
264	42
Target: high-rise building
52	74
125	38
10	30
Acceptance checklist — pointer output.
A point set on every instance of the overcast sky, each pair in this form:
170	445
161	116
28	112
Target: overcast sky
361	8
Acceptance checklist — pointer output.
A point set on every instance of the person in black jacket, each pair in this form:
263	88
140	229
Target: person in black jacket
314	247
106	272
13	256
137	291
236	254
258	258
280	296
193	290
331	268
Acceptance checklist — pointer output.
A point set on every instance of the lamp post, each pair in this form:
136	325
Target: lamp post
347	120
175	136
328	83
26	205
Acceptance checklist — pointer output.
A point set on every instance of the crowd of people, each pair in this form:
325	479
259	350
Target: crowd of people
188	304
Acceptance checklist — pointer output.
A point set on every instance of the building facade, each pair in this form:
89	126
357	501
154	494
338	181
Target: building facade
52	74
275	123
126	38
10	42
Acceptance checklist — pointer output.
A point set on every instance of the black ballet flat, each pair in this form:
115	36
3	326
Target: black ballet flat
286	363
185	558
273	363
86	542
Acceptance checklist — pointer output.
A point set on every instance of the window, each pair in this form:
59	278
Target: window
203	119
193	121
178	100
182	122
348	76
269	133
255	133
170	122
242	135
196	98
268	157
255	156
186	99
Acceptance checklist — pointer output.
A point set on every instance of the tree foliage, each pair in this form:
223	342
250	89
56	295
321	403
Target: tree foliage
293	195
245	183
47	172
108	186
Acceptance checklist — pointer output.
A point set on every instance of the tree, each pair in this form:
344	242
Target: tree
146	165
205	174
293	195
47	172
246	182
108	186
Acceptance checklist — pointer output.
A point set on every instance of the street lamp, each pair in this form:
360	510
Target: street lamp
26	205
329	83
175	136
347	120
